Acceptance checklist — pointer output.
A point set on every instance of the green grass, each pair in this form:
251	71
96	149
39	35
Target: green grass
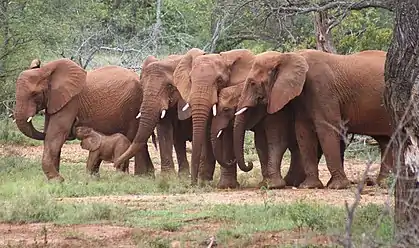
16	172
26	197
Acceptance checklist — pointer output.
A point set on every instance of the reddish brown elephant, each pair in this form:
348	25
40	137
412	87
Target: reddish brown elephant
102	148
105	99
160	109
274	134
199	82
323	90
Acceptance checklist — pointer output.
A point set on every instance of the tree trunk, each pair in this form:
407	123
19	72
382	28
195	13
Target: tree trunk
401	98
324	40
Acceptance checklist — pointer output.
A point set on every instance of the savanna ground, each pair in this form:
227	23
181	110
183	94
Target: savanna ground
128	211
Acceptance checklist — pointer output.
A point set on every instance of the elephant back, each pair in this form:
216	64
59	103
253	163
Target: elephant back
110	100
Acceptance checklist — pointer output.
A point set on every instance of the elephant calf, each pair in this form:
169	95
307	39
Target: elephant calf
102	147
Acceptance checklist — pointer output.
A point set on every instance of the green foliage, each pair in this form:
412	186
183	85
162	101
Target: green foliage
363	30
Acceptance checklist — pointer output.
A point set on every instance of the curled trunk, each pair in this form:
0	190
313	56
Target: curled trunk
22	112
148	121
218	146
29	130
238	139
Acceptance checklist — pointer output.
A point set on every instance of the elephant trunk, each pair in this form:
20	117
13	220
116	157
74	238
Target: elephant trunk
238	141
200	115
218	146
148	121
23	114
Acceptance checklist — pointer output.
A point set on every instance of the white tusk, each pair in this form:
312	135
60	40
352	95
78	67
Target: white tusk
241	111
163	113
219	133
14	120
185	107
138	116
29	119
214	109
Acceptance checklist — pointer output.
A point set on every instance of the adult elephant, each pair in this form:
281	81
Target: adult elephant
199	84
273	135
105	99
160	108
323	89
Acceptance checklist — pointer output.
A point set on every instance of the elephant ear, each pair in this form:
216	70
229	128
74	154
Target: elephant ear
182	80
66	80
92	142
240	62
291	70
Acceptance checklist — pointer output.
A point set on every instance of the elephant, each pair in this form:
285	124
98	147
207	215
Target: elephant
322	89
159	108
105	99
199	84
102	147
266	131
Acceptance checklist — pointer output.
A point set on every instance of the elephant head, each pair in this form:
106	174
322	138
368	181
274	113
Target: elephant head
274	80
159	94
221	130
90	139
221	126
48	87
199	83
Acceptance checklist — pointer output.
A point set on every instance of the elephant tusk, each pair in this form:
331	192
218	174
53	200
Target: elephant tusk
14	120
163	113
219	133
185	107
29	119
241	111
214	110
138	116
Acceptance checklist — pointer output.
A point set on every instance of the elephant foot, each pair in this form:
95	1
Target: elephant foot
311	183
338	183
228	184
294	180
276	183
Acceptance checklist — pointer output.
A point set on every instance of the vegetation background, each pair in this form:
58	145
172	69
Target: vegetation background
102	32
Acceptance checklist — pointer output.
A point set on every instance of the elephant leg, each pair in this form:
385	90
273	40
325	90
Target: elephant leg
386	160
296	174
165	137
180	148
207	162
92	160
276	129
228	176
143	164
306	139
329	141
261	146
59	125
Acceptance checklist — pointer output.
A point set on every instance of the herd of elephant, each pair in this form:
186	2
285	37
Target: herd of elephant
301	101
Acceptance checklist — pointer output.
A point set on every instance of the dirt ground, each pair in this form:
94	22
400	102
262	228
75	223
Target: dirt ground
50	235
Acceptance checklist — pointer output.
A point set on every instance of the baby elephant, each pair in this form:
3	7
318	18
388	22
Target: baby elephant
102	147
